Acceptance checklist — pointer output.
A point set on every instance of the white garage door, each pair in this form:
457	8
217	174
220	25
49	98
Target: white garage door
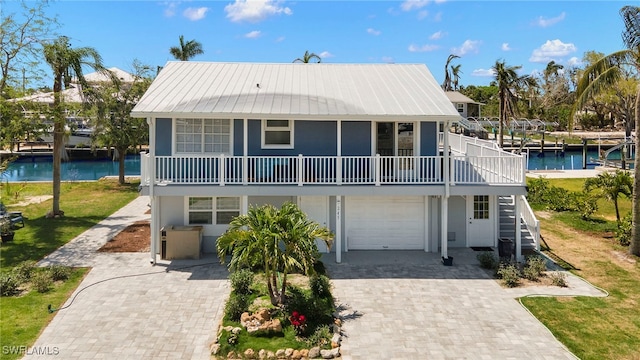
374	223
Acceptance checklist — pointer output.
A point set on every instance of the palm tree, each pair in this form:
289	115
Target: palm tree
66	63
279	240
455	72
611	186
446	84
603	74
508	81
307	57
187	50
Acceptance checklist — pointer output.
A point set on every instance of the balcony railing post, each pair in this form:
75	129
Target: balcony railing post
339	170
377	169
300	169
245	170
222	170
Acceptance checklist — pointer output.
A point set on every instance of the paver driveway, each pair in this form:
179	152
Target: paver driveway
409	306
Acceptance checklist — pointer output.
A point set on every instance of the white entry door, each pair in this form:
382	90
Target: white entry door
317	209
480	220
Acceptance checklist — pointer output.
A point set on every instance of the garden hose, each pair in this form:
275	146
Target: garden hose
51	309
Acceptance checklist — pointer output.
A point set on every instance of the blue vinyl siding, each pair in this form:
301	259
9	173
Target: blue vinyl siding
428	139
356	138
310	138
237	137
164	139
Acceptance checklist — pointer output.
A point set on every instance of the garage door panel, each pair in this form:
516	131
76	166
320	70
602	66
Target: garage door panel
385	223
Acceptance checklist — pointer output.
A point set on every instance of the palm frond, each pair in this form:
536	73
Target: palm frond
631	18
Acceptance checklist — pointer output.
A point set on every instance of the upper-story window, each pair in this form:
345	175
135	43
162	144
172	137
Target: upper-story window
460	107
277	134
203	136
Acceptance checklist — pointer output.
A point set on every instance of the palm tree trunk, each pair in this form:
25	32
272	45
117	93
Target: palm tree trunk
634	247
283	291
272	285
121	153
58	143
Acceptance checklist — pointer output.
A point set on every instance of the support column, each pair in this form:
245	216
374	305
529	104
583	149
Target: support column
443	226
338	229
244	205
153	200
155	228
517	210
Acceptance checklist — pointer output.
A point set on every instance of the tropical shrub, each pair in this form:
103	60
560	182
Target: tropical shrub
41	281
623	232
241	281
509	274
9	284
236	305
488	260
59	272
24	270
558	279
534	268
320	286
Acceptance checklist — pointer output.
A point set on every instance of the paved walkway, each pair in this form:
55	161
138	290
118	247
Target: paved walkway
127	309
402	305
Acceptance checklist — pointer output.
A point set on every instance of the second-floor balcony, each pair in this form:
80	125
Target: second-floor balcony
499	168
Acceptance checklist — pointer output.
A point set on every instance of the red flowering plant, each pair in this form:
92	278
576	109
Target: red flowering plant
299	322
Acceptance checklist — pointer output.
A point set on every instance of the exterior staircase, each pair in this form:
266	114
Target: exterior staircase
508	224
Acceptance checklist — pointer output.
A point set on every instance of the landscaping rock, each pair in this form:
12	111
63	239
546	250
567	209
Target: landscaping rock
314	352
288	352
304	353
214	349
335	329
330	354
231	355
250	354
336	339
262	354
280	354
271	355
262	315
296	355
245	317
228	328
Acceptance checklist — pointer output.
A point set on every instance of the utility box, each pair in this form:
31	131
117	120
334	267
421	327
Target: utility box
181	242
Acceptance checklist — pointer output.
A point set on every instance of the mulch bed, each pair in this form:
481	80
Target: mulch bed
134	238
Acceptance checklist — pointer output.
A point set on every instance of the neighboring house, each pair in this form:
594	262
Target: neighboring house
359	147
465	106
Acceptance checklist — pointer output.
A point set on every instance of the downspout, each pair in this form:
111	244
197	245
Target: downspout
152	200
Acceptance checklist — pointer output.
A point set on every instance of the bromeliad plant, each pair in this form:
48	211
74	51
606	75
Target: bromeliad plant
299	322
280	241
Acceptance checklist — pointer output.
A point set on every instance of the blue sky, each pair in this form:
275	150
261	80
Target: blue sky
526	33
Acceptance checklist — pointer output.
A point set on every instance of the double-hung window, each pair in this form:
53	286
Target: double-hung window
277	134
213	210
211	136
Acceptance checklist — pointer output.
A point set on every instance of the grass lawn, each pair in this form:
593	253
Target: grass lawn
85	204
592	328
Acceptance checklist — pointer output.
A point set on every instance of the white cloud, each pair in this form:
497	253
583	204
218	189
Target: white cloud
543	22
422	48
574	61
506	47
170	9
373	31
468	46
253	34
437	35
325	55
438	17
388	59
422	14
254	10
195	14
552	50
280	39
409	5
483	72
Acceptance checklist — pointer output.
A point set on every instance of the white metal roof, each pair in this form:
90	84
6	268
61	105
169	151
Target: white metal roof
344	91
457	97
99	76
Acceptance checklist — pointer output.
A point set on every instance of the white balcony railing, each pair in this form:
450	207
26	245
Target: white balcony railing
332	170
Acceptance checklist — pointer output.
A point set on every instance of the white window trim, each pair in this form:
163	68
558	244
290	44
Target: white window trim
277	146
174	139
214	210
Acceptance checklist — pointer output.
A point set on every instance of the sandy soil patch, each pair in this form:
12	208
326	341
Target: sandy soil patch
134	238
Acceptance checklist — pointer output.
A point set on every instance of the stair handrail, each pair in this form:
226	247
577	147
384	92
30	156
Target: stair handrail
531	222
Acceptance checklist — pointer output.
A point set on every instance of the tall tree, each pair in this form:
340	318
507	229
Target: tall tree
606	72
446	84
279	240
186	50
20	39
508	82
308	57
66	63
114	126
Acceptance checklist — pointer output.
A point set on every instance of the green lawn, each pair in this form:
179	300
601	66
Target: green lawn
592	328
85	204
